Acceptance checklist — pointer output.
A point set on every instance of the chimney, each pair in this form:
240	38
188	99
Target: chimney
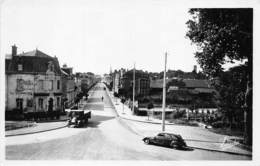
14	50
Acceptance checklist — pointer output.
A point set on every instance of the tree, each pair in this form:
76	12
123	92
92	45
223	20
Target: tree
123	102
223	36
231	86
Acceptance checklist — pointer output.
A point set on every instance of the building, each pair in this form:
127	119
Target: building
142	83
69	87
33	82
116	82
107	79
191	95
87	81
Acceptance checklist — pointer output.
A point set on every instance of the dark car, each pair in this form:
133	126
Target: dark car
166	139
78	118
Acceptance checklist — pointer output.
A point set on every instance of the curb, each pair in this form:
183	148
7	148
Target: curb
221	151
56	128
53	121
145	121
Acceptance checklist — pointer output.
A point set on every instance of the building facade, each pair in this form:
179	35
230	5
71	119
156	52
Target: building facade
142	82
33	82
69	87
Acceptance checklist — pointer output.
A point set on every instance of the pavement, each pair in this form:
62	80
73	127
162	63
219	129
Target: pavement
213	141
42	126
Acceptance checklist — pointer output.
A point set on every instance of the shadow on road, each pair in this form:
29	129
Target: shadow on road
180	149
98	119
195	140
94	100
96	107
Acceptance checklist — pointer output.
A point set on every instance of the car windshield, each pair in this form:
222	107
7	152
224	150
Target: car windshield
160	135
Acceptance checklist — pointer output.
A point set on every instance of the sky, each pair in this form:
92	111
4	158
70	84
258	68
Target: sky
92	36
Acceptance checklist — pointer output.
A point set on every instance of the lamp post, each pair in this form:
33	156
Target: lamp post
164	93
134	88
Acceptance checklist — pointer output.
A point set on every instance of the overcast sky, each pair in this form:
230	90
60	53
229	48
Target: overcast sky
92	35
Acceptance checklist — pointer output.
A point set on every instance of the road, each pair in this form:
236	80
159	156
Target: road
107	137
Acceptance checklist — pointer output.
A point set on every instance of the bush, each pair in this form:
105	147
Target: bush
15	114
116	94
178	114
219	124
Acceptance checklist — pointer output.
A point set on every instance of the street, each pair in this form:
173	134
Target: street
107	137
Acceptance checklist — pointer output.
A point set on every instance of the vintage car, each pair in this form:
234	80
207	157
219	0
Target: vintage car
166	139
78	118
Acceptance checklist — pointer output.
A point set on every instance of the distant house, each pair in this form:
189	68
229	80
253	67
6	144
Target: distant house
183	91
142	83
87	81
198	86
33	82
69	87
193	85
116	82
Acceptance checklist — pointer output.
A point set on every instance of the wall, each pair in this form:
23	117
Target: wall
29	87
15	89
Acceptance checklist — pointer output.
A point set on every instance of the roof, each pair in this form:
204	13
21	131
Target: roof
192	83
36	52
158	83
63	72
204	90
138	74
34	61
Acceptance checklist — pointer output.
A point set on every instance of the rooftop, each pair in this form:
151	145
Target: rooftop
33	61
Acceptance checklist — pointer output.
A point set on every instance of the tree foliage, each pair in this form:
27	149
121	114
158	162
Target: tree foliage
222	36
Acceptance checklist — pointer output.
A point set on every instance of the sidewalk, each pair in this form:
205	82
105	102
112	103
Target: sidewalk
126	113
212	145
38	127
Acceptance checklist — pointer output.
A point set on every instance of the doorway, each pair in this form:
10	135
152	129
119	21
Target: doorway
50	107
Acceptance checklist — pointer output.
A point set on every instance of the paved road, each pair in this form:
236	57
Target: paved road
107	137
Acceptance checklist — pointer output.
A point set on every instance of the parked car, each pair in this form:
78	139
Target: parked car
166	139
78	118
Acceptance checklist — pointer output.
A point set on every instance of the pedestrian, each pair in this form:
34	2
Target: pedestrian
102	98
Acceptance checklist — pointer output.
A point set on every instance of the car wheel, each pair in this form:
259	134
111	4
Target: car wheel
173	145
147	141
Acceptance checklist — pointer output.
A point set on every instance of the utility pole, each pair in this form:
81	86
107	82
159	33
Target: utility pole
134	88
164	93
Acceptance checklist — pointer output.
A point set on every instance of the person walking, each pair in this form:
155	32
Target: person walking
102	98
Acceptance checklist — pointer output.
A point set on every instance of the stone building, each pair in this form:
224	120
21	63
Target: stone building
142	83
33	82
69	87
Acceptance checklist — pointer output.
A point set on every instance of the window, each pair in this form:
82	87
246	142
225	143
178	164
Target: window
40	84
19	103
40	103
20	67
58	101
50	85
160	134
29	103
58	84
